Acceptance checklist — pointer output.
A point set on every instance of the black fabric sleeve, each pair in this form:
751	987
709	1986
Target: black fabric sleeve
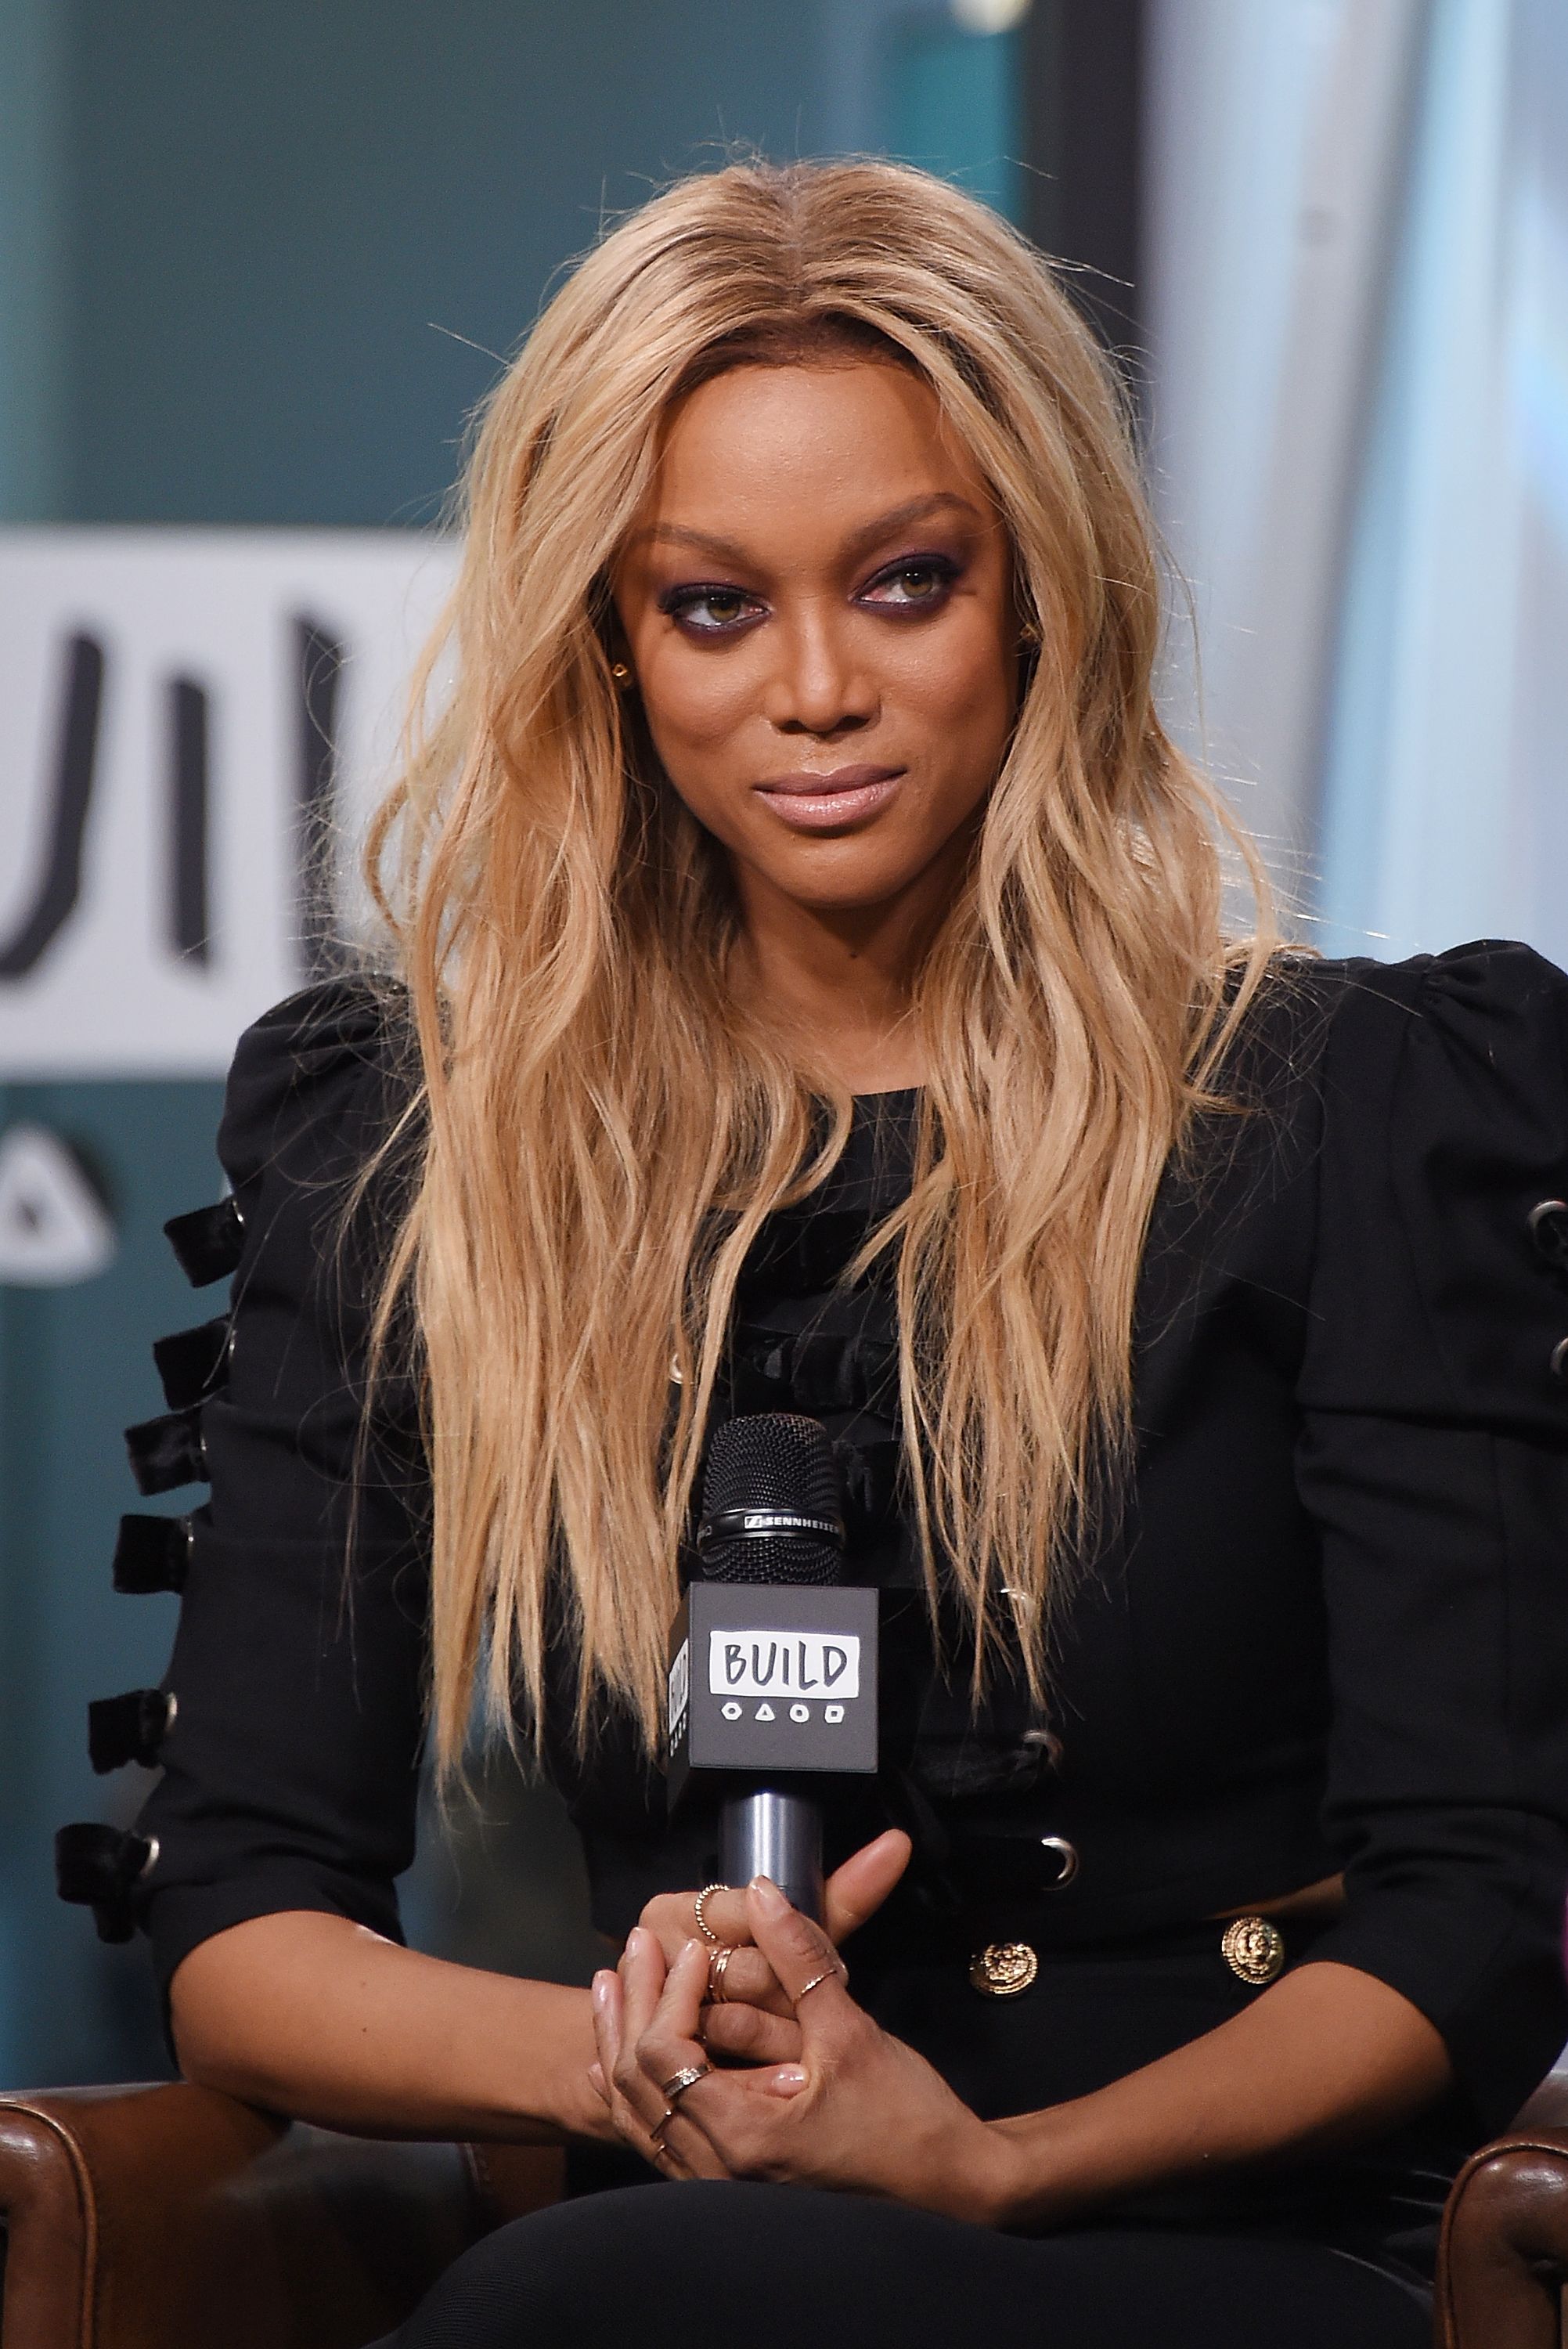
1435	1459
291	1765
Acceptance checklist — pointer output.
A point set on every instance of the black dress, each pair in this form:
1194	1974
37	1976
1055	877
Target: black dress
1326	1630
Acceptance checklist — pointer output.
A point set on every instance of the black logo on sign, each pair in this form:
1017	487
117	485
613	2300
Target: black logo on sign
317	670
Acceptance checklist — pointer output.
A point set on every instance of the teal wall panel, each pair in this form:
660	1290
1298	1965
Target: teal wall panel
75	1369
291	223
954	104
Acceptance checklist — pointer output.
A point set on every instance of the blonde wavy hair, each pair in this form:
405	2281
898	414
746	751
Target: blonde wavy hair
606	1127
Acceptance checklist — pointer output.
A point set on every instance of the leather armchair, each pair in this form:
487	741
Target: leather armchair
172	2218
1503	2264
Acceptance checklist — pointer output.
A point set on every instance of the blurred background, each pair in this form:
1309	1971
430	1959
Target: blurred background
257	265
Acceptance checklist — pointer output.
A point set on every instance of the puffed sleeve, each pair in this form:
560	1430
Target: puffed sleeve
290	1765
1435	1459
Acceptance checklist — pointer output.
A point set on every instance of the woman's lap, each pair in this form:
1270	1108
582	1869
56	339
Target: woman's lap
791	2268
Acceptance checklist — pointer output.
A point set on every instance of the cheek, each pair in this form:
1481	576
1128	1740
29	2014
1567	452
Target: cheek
694	706
964	701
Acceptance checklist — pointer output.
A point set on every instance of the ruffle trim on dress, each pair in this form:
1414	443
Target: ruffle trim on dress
814	1371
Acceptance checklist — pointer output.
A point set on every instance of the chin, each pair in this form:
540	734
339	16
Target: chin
851	892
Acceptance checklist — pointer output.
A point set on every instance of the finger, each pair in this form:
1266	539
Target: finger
692	2153
667	2042
750	2034
642	1972
606	2008
724	1914
669	2046
640	1982
604	2005
857	1889
805	1961
671	1919
745	1980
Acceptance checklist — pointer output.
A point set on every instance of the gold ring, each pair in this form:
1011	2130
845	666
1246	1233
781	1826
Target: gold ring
702	1927
812	1984
679	2083
657	2134
717	1966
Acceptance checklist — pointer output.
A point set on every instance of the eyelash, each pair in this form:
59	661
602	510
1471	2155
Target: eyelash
680	603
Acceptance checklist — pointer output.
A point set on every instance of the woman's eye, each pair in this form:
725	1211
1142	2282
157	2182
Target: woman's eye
909	584
707	611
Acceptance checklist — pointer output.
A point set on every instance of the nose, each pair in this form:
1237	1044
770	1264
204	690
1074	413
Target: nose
820	685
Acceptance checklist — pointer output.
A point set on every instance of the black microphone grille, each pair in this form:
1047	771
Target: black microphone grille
770	1503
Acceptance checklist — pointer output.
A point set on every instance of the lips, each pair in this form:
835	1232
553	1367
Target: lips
805	785
809	802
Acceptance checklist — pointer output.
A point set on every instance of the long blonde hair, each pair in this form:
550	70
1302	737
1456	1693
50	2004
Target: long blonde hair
606	1127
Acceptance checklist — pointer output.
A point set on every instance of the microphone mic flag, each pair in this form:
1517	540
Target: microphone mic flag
773	1657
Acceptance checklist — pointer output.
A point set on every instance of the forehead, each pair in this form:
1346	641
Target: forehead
824	436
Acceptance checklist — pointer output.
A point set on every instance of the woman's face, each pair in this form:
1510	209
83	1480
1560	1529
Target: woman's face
818	608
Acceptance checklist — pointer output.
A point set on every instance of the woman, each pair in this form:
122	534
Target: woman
817	999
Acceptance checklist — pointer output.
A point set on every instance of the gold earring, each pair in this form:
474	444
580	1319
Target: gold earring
620	672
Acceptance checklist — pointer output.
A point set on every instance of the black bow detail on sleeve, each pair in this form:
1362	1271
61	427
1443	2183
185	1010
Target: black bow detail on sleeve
128	1728
167	1451
98	1867
192	1362
207	1242
152	1554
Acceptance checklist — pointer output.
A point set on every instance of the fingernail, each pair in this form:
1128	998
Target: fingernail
597	2073
599	1988
788	2080
767	1894
634	1942
692	1944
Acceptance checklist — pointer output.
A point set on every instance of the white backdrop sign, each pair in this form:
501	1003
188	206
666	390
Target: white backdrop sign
184	717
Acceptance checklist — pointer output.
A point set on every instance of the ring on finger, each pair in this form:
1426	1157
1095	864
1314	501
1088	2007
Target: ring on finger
702	1927
657	2134
816	1980
675	2086
718	1966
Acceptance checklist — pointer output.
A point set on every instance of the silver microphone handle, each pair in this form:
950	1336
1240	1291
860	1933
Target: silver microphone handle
769	1833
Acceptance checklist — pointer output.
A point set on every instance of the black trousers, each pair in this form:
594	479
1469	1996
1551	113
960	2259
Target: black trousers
788	2267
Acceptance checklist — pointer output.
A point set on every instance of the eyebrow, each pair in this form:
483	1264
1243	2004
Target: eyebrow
898	518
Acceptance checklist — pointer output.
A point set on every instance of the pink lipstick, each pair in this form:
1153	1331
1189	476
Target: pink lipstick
812	802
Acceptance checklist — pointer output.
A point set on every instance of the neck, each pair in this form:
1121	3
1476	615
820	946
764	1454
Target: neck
834	989
834	984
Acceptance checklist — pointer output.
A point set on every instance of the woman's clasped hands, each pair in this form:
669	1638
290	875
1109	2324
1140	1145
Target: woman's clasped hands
825	2097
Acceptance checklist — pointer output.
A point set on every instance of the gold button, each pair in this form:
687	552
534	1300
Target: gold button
1254	1948
1002	1969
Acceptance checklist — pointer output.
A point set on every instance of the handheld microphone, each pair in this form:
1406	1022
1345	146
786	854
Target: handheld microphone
773	1657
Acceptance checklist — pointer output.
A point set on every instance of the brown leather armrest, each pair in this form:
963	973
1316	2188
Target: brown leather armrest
1503	2260
171	2217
